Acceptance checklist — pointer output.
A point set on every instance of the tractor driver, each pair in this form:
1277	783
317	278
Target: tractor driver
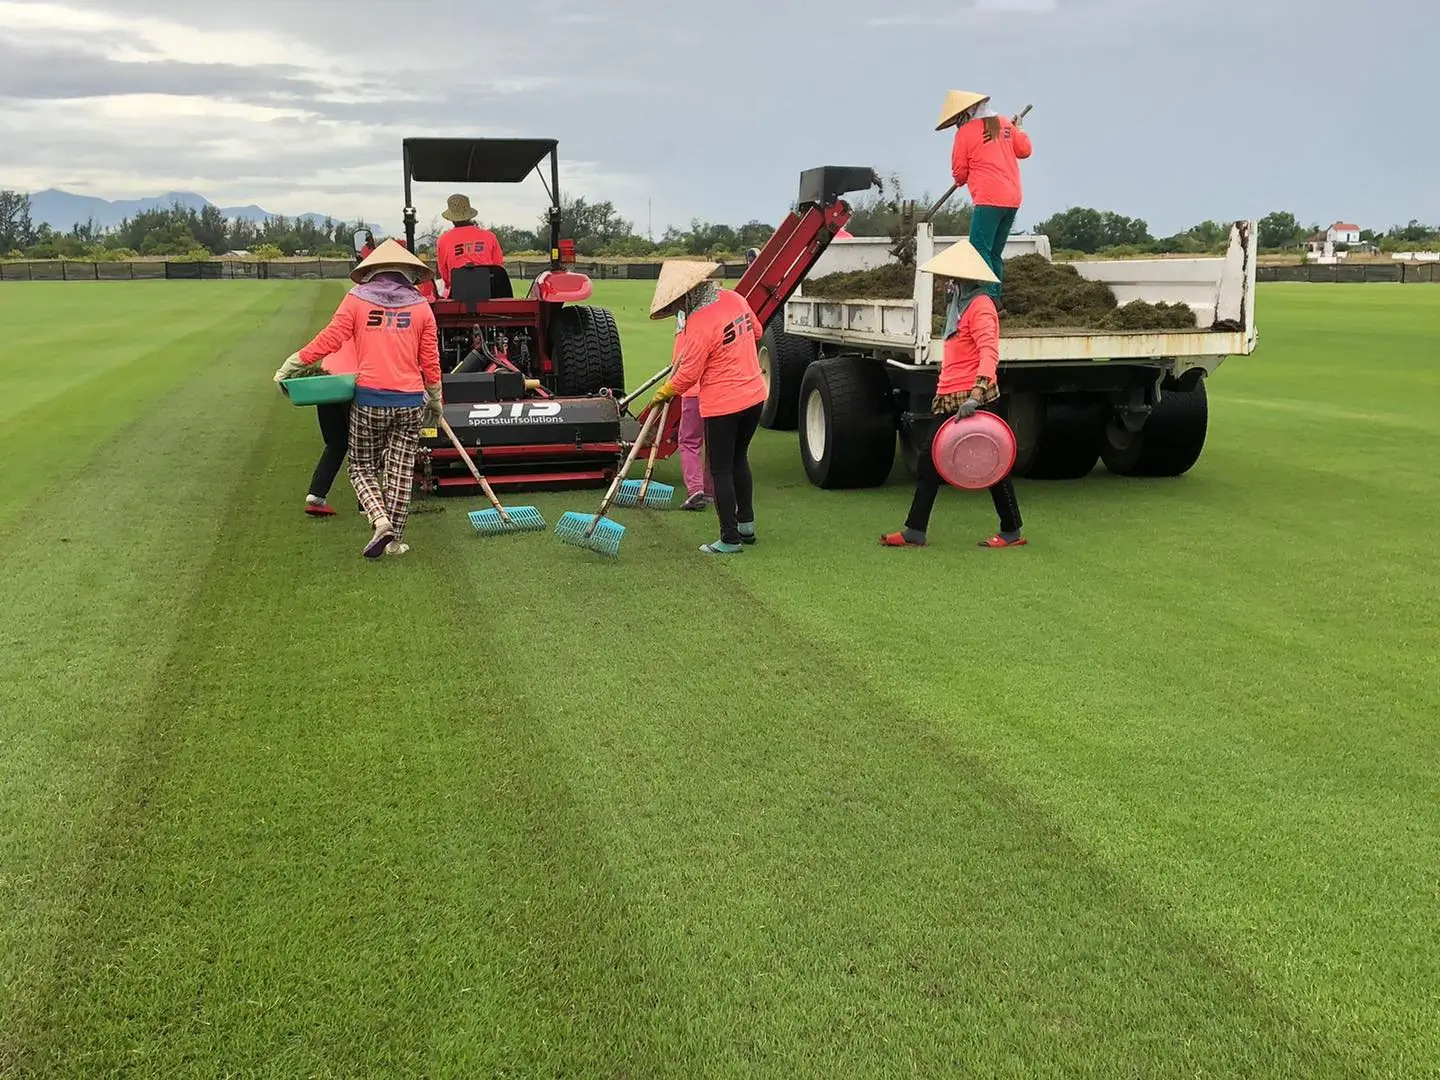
467	244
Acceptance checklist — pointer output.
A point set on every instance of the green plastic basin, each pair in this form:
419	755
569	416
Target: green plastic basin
319	389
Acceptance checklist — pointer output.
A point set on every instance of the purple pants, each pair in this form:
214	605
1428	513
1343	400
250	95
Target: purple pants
692	448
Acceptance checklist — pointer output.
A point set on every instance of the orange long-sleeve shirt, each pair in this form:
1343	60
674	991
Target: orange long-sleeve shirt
986	157
675	354
397	348
973	351
717	353
466	245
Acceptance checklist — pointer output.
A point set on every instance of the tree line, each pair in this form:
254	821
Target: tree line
599	230
1102	232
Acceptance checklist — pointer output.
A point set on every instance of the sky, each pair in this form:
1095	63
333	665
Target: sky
1170	110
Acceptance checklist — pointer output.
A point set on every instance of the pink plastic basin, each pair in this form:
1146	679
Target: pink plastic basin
974	453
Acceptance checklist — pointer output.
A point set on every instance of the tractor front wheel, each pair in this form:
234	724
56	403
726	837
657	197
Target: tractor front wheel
586	350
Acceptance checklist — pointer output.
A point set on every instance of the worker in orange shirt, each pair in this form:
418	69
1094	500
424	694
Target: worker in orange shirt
986	157
719	359
467	244
968	383
397	384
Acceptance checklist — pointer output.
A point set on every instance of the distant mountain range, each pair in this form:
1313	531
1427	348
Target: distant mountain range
61	210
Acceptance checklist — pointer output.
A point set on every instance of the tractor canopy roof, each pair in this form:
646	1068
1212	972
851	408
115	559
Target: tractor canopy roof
474	161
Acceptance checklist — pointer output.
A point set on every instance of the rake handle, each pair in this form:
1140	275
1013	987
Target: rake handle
479	479
654	448
628	398
620	475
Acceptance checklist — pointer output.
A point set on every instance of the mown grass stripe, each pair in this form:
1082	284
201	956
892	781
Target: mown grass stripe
828	874
320	873
60	420
101	579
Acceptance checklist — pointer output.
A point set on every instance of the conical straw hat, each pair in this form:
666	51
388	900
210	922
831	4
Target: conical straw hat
677	277
956	102
458	208
960	260
390	255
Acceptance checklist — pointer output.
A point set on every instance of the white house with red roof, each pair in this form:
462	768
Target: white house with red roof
1343	233
1333	244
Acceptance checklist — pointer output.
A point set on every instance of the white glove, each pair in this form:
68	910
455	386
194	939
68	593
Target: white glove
292	366
434	405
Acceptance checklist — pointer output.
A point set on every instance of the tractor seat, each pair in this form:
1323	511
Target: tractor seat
474	284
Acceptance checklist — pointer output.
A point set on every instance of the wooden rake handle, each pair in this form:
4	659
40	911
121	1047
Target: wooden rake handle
654	447
479	479
620	475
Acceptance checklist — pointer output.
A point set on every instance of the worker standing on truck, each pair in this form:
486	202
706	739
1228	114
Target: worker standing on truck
397	384
968	382
467	244
719	359
986	157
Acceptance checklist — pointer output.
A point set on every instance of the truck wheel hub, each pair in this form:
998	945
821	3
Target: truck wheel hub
815	426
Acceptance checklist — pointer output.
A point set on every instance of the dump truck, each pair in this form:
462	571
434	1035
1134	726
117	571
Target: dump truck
850	374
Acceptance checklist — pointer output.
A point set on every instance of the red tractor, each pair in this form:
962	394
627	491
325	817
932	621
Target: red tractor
533	387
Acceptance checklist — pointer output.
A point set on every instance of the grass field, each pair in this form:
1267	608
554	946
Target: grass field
1155	796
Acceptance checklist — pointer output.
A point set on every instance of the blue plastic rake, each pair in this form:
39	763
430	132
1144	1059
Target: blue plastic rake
597	532
653	495
500	519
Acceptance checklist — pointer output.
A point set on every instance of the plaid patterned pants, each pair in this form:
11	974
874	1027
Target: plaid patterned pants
383	444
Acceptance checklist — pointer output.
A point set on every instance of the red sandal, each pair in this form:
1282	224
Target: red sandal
998	541
897	539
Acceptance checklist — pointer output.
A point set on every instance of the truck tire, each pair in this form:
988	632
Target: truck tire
847	425
784	358
1070	441
586	348
1169	443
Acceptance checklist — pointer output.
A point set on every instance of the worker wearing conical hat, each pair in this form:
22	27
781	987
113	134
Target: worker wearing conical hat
717	357
968	383
467	244
986	158
397	383
426	288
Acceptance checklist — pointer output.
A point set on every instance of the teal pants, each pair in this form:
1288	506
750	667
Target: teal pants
989	229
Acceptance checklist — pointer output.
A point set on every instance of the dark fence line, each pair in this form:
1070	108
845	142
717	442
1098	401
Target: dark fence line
521	269
310	269
1357	274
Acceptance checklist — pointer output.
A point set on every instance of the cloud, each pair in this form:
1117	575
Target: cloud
1172	110
959	15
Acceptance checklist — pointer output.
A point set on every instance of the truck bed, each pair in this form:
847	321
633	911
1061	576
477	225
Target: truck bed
1220	290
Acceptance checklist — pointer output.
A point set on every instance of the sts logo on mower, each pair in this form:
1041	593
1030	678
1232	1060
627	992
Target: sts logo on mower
483	414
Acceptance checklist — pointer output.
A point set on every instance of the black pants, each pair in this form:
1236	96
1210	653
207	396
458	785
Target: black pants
335	430
923	429
727	446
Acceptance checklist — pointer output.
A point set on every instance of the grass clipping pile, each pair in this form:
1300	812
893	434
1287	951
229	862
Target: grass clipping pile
1039	295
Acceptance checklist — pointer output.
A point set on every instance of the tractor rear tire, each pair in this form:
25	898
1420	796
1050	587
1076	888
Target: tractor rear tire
1169	443
586	349
847	424
1070	441
783	358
